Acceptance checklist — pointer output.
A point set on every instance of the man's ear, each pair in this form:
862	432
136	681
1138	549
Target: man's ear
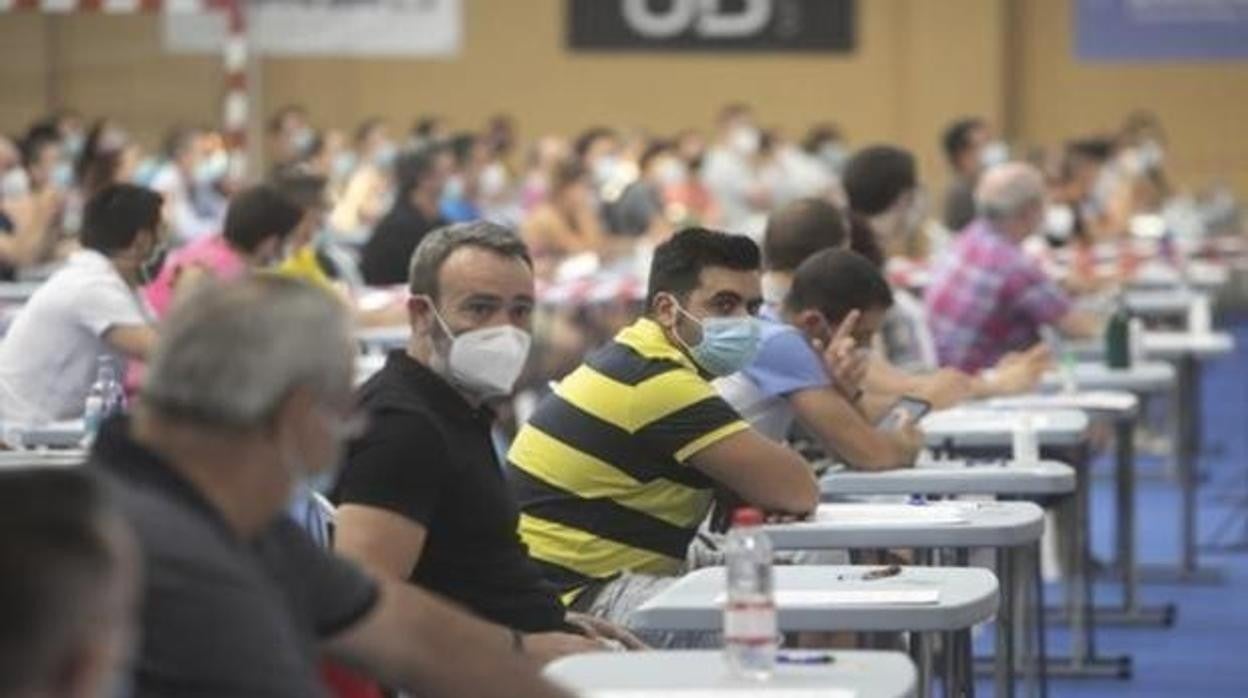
813	324
663	310
420	313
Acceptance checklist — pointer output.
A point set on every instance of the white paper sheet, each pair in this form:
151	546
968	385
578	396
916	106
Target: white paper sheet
761	689
886	514
806	598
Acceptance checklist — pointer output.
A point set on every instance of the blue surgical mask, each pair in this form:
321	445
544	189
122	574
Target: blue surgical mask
728	344
385	156
212	169
63	175
993	154
343	165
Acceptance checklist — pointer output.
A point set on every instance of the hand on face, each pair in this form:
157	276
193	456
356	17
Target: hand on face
845	362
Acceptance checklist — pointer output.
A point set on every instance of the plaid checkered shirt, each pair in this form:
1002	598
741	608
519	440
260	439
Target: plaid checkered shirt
987	298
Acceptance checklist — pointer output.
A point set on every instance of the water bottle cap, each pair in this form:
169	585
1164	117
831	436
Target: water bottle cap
747	516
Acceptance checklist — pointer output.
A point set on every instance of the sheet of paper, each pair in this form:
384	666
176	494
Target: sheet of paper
970	420
760	690
806	598
1086	400
884	514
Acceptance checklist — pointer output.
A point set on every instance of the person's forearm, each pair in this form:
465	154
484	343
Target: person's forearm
421	644
874	451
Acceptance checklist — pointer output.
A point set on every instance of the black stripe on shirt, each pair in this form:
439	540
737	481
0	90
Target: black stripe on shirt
678	429
600	517
628	453
622	364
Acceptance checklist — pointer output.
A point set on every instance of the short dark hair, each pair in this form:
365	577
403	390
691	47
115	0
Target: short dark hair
278	119
863	241
565	174
876	176
679	261
301	187
113	217
836	282
39	137
411	169
56	556
819	134
438	244
178	139
731	111
588	137
800	229
654	149
425	125
461	146
257	214
957	137
366	127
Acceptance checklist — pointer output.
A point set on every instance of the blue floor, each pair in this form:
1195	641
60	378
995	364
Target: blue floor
1205	654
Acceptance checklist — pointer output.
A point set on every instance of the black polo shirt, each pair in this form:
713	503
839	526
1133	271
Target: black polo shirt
223	616
429	456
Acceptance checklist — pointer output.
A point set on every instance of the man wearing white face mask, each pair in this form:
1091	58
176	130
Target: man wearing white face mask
731	175
248	394
423	497
615	471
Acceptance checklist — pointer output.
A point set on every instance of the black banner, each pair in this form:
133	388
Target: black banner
711	25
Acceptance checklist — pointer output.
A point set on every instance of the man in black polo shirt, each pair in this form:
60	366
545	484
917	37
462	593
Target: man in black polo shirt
249	392
423	497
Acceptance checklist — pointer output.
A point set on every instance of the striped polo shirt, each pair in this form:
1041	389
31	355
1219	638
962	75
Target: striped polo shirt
601	470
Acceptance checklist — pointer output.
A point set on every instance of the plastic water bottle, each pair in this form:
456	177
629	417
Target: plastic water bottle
1117	336
1200	315
105	398
1026	449
750	634
1135	341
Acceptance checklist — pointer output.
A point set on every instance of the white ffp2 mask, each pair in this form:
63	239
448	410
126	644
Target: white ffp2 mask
487	361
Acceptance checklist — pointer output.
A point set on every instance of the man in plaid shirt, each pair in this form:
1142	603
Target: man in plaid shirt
986	297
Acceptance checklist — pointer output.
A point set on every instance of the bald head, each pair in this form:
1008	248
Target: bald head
1011	198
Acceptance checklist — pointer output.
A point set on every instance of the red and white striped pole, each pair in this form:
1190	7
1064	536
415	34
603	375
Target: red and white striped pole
235	102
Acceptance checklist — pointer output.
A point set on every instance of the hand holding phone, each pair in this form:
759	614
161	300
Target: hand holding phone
911	408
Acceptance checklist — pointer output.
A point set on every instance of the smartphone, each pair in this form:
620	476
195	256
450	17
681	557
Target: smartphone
881	573
910	406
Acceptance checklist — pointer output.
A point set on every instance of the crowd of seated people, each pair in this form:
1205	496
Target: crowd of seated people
773	300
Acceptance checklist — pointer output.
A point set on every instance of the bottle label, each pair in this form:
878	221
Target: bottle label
750	622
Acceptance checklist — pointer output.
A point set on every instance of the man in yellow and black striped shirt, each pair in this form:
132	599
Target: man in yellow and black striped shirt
615	470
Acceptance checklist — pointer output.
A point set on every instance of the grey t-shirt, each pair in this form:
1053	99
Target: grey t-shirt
959	208
223	616
636	209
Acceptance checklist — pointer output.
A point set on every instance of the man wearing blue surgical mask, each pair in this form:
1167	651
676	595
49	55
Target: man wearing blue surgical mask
423	498
616	469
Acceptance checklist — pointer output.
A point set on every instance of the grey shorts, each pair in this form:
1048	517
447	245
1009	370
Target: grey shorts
617	599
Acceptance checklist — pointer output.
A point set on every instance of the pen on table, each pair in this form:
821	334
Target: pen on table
806	658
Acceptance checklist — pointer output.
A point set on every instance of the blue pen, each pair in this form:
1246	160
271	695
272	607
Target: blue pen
806	658
918	500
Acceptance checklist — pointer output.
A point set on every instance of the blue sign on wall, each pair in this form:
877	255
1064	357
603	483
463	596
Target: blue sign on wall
1144	30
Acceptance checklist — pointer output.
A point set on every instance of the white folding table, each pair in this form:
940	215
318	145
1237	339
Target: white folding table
817	598
1012	529
705	673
